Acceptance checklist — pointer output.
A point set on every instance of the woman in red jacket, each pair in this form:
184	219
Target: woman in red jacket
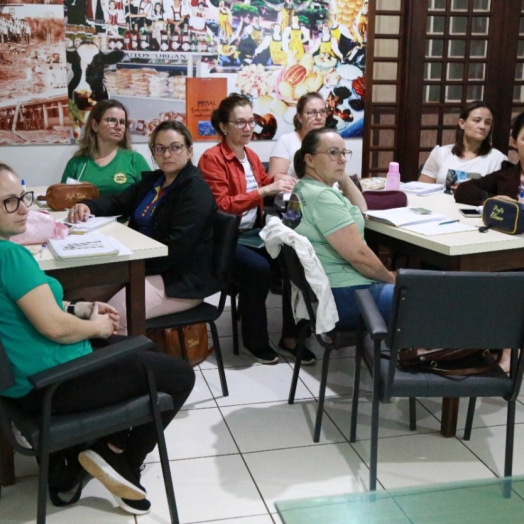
238	180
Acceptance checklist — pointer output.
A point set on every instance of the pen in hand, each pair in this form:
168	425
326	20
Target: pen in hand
448	222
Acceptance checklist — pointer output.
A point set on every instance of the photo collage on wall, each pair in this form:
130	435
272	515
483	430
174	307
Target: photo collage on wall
33	74
141	52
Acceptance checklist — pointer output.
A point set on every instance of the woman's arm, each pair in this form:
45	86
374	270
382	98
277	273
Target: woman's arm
353	193
277	165
41	309
348	243
431	168
427	179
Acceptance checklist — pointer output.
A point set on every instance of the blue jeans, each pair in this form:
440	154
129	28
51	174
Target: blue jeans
347	307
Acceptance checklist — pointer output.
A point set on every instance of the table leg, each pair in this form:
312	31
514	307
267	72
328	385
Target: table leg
7	462
136	299
448	424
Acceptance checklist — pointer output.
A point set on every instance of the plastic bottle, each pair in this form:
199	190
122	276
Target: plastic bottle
393	177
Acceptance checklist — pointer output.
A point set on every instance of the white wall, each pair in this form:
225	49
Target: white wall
41	165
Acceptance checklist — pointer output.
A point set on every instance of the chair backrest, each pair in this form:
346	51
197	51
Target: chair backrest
293	270
7	379
225	235
434	309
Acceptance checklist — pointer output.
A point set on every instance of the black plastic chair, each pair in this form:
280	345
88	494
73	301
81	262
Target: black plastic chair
340	338
47	433
433	310
225	234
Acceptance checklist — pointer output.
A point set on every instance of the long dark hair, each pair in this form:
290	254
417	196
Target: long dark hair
221	113
485	146
88	144
309	147
301	104
517	126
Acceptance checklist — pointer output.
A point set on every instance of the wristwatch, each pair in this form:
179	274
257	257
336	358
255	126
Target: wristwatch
71	307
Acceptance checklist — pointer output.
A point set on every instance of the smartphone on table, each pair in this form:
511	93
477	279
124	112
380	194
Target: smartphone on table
470	213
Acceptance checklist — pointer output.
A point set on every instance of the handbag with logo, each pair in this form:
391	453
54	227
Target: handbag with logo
64	196
503	215
195	339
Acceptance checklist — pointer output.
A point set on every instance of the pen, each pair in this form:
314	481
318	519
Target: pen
42	250
448	222
23	184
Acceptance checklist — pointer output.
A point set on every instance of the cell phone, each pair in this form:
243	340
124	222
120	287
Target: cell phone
470	213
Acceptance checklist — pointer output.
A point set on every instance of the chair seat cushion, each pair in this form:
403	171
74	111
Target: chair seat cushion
201	314
75	428
417	383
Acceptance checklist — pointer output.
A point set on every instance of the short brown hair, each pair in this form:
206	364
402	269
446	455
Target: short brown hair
221	113
170	125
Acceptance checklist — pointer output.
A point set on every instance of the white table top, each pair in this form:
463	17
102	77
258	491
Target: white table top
453	244
142	246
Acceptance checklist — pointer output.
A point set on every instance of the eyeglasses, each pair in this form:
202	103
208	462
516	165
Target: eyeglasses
241	124
335	154
12	204
174	149
314	114
111	121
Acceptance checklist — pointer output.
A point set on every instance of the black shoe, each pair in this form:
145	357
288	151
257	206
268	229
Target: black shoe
308	357
264	355
112	470
136	507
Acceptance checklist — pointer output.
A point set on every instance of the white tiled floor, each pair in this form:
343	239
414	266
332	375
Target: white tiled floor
232	458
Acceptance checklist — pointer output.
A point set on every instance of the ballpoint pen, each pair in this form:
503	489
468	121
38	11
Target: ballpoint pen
448	222
42	250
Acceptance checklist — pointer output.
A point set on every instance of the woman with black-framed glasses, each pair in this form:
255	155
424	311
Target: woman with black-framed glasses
175	206
105	157
333	222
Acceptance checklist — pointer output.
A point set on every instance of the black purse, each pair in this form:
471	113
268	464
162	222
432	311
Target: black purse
503	215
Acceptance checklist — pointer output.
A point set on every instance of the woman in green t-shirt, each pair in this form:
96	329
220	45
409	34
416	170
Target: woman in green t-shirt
334	224
105	157
39	331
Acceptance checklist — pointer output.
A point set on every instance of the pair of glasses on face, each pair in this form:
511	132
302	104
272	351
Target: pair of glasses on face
241	124
111	121
335	154
12	204
174	149
314	114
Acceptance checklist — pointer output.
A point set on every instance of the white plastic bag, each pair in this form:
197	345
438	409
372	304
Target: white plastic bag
41	226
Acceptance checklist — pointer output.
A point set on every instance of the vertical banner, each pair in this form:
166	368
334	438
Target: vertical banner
203	95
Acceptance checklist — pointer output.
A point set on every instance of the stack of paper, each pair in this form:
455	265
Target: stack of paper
420	188
89	245
404	216
90	224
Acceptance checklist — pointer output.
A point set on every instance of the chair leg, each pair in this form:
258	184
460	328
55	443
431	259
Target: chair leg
374	435
412	413
322	394
234	323
42	487
510	435
469	418
356	391
302	334
220	362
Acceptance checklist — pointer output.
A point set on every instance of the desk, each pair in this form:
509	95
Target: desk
129	271
467	251
473	502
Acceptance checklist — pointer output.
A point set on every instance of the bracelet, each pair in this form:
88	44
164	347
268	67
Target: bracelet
71	307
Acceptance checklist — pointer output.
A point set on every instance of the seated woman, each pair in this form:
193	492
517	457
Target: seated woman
334	224
238	181
471	154
176	207
38	334
311	114
507	182
105	157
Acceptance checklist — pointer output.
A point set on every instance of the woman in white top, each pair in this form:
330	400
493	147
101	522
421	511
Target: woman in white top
471	153
311	114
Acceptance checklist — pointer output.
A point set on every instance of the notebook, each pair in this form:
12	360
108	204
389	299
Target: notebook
90	224
404	216
421	188
251	238
88	245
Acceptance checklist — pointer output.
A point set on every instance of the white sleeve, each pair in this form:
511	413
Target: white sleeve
281	149
432	165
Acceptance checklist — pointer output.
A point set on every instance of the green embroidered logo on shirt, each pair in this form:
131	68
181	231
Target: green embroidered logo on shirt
120	178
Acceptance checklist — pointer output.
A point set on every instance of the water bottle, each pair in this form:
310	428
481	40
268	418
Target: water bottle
393	177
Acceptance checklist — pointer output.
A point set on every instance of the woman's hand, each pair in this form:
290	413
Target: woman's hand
104	323
284	183
78	213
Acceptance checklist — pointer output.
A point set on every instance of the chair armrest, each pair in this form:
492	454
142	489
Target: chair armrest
375	324
95	360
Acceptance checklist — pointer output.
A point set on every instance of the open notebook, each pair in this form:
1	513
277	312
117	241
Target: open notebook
90	224
77	246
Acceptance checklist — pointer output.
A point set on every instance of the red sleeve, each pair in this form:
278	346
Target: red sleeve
226	191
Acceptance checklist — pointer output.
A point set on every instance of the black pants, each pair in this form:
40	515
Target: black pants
251	274
117	382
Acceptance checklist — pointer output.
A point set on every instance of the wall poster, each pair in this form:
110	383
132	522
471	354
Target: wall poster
141	52
33	80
